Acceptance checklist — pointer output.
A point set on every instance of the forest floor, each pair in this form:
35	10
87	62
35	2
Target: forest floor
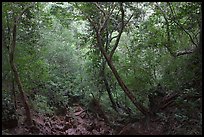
80	121
77	122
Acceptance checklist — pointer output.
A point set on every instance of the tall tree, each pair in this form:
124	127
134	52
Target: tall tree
13	65
102	25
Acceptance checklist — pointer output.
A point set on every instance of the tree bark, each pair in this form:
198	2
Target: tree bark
20	87
107	86
100	44
120	81
14	92
14	69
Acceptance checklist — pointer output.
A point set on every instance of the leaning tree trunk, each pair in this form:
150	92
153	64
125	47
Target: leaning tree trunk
14	69
20	88
120	81
99	28
107	86
14	92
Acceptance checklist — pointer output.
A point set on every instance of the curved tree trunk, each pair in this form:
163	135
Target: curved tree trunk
118	78
20	88
14	69
14	92
99	28
107	86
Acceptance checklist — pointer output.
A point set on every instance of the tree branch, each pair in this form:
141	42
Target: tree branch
13	66
20	15
168	45
189	35
128	20
100	8
13	40
92	23
107	18
107	40
9	31
121	31
114	37
169	39
183	53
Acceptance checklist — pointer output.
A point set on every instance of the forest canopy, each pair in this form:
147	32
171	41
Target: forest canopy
102	68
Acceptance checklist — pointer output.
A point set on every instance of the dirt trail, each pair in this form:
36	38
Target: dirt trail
79	121
76	122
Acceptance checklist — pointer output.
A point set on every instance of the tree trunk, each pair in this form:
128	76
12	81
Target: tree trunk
120	81
14	92
108	59
16	75
107	86
20	88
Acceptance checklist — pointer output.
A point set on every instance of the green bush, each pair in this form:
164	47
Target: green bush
41	105
9	115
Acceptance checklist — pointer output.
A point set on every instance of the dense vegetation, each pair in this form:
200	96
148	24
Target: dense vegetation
102	68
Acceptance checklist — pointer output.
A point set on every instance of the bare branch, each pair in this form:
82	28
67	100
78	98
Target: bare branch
121	30
183	52
114	37
128	20
107	18
104	13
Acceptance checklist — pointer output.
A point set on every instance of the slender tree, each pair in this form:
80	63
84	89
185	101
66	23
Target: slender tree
13	65
99	30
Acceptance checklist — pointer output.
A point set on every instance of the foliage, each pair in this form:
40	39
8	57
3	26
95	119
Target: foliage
9	114
58	60
41	105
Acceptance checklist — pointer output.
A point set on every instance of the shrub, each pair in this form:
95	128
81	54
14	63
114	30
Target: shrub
9	115
41	105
